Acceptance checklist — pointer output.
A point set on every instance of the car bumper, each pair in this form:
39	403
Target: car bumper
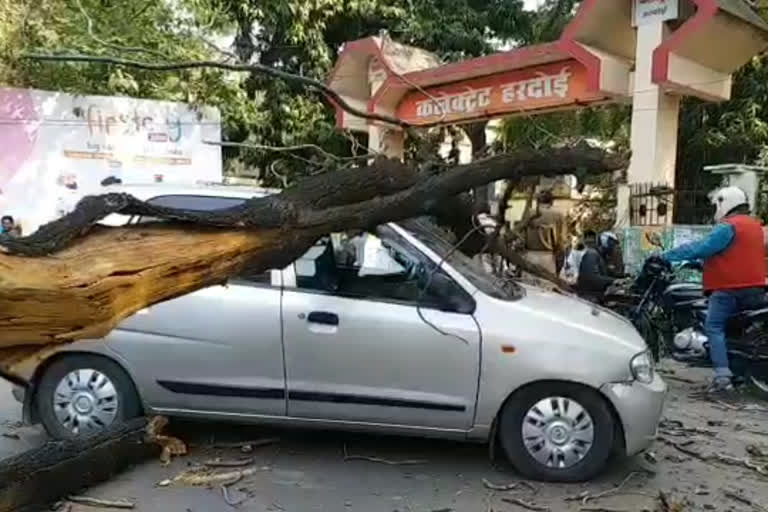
640	407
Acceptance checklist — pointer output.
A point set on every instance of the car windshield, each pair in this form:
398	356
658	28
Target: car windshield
437	240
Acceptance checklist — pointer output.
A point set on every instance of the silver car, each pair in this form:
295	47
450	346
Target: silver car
391	331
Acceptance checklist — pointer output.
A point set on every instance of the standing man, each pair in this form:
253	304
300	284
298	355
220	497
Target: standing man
546	235
734	272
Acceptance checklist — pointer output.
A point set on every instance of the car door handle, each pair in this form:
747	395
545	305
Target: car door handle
323	317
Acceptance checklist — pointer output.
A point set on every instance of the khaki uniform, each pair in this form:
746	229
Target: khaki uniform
546	238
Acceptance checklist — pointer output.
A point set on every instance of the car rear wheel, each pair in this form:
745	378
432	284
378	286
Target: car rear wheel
80	395
557	432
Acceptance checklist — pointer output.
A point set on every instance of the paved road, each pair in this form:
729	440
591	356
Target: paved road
307	471
10	426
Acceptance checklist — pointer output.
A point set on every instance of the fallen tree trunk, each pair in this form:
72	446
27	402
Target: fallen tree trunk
37	477
93	282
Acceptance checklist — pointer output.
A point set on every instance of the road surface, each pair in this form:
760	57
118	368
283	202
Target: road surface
307	471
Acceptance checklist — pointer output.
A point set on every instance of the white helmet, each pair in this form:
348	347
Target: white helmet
727	199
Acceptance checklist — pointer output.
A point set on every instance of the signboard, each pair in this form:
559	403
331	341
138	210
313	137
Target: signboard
57	148
534	88
645	12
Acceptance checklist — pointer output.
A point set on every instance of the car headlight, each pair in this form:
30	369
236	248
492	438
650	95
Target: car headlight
641	367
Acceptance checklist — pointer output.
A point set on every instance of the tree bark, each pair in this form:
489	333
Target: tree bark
93	282
37	477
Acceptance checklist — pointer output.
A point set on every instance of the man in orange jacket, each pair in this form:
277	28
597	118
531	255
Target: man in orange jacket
734	272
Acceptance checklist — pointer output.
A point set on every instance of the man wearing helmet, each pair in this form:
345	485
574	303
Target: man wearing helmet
734	271
595	273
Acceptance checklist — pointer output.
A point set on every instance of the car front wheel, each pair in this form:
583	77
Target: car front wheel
80	395
557	431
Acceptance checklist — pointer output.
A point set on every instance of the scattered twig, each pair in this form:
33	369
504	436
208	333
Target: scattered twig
729	460
298	147
310	83
225	491
406	462
510	486
744	500
727	405
97	502
680	379
253	444
585	497
237	463
525	504
677	428
11	435
741	407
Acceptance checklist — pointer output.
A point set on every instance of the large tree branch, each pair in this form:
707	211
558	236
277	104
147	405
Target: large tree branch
310	83
93	282
351	198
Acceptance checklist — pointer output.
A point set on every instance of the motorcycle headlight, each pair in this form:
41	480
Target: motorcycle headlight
641	367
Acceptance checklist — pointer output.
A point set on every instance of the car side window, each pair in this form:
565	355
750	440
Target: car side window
378	265
250	273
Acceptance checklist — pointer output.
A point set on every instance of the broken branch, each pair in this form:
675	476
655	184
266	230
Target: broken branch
98	502
525	504
407	462
310	83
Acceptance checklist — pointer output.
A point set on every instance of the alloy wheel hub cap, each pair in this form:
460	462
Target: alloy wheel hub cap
558	432
85	401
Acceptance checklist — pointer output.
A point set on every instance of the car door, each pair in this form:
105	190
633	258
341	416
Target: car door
358	349
216	350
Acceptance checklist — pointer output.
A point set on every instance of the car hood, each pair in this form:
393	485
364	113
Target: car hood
574	313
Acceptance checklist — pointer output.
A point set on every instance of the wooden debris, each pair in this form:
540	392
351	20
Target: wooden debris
406	462
170	445
98	502
204	477
525	504
668	505
234	463
11	435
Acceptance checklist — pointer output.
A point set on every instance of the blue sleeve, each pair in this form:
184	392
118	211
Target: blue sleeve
717	241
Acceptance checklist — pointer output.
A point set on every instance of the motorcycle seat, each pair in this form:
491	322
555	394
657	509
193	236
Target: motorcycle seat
747	316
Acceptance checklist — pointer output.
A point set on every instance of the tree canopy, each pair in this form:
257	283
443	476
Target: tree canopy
305	38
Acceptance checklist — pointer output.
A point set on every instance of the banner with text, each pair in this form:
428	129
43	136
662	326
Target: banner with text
535	88
59	147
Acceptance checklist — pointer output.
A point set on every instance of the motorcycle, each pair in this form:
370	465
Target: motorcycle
671	316
660	306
